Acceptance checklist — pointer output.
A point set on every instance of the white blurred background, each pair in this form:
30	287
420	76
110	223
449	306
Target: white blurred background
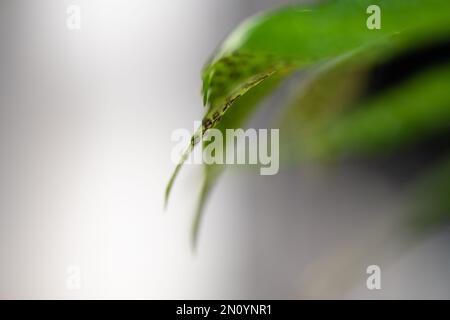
85	123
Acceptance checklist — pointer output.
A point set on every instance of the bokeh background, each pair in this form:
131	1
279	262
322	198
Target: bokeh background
85	123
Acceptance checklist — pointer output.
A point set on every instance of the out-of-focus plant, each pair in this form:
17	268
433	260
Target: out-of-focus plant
364	93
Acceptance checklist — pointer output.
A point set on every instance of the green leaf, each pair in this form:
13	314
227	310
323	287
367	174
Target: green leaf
401	116
214	116
235	118
270	45
324	94
307	34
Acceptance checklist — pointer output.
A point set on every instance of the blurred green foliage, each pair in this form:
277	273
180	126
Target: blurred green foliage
337	111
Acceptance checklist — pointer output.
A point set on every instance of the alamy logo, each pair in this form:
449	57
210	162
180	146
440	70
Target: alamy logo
73	21
374	280
236	146
374	20
73	278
